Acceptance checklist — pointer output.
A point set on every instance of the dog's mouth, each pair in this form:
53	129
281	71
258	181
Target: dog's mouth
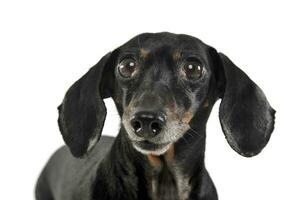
147	147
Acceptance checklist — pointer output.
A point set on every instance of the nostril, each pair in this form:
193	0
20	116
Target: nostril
147	124
155	127
137	125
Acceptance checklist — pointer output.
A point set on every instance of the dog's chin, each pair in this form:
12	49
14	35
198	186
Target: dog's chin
147	148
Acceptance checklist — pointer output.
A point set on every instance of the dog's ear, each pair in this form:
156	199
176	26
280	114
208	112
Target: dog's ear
246	117
83	112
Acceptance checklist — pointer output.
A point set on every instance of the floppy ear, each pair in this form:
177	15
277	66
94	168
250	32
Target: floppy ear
83	112
246	117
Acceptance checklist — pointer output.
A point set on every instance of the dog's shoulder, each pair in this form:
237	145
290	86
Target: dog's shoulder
75	175
64	156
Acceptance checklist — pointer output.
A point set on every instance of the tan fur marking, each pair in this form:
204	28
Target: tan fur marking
154	160
206	103
187	117
169	155
127	109
176	55
173	115
144	53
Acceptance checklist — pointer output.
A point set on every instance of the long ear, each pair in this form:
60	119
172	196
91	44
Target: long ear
246	117
82	113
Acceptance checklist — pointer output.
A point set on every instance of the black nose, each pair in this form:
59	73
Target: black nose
148	124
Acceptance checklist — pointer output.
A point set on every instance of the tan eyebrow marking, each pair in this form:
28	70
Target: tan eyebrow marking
144	53
176	55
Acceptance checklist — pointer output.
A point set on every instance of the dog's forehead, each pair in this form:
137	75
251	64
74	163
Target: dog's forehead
167	42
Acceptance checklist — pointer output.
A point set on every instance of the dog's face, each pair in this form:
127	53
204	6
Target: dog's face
159	83
162	81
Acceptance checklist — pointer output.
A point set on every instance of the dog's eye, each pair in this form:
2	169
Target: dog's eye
194	70
127	67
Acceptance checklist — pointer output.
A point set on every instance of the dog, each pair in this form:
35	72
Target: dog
164	86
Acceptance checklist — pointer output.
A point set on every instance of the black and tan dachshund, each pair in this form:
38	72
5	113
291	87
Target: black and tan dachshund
164	86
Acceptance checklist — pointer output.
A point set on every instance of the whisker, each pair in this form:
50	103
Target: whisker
199	134
190	134
185	140
194	131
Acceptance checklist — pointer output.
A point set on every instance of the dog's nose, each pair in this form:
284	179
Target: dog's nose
148	124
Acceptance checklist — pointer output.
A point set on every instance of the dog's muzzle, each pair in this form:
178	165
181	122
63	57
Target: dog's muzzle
148	125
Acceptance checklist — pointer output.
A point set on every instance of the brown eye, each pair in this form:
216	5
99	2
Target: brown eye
194	70
127	67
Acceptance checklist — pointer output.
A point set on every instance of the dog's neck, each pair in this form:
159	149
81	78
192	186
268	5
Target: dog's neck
170	176
173	175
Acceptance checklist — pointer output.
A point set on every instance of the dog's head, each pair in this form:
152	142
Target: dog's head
163	84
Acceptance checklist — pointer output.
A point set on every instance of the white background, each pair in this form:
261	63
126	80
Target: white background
46	46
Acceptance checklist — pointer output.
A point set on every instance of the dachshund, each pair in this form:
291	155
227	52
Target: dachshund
164	86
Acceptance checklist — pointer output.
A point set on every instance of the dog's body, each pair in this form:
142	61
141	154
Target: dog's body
71	179
164	86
